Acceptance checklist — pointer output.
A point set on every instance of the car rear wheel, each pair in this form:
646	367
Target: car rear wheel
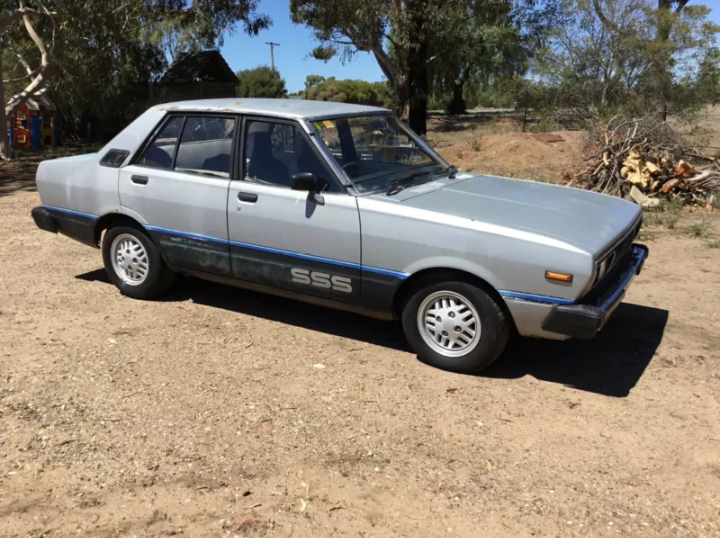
134	264
455	326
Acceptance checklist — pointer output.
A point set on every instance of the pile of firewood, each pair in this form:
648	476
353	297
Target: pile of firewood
647	161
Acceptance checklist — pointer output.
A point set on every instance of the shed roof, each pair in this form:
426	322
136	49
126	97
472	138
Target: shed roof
203	66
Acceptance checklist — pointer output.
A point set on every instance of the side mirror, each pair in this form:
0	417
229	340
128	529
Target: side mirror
306	181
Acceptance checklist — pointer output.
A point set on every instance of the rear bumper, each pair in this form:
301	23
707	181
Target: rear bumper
585	319
74	224
43	219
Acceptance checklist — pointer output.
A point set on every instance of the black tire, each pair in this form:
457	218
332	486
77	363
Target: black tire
159	276
494	324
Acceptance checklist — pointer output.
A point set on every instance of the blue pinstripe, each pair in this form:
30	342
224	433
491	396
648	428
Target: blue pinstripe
548	299
70	211
300	255
510	294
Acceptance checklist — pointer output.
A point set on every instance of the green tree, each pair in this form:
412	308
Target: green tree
109	53
312	81
34	81
678	28
261	82
395	33
480	40
359	92
603	58
416	42
708	84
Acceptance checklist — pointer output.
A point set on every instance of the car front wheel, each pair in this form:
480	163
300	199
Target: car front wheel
455	326
134	264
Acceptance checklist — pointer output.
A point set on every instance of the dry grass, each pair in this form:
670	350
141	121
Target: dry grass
702	230
665	215
703	131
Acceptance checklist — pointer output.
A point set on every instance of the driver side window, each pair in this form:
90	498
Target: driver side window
275	151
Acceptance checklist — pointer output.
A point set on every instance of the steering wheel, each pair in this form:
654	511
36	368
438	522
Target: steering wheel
350	166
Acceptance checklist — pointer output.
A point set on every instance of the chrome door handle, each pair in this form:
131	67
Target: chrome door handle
247	197
139	180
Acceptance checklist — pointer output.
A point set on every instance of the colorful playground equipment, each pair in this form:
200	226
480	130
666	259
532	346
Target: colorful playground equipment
34	124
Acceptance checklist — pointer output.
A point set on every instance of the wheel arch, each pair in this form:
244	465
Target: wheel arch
432	275
109	220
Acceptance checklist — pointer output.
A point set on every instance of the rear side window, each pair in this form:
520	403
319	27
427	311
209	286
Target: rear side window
206	146
160	152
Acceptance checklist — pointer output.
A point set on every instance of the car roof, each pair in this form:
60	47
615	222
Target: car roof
280	108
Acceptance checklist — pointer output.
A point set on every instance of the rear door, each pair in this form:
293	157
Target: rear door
279	237
178	186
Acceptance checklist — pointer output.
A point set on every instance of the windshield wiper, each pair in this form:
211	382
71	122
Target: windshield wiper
398	185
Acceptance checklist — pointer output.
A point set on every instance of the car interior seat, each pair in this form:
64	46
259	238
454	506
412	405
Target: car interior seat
263	164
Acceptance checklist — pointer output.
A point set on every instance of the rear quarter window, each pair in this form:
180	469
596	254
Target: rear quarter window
161	151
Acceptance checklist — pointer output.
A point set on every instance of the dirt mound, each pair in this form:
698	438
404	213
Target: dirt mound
525	155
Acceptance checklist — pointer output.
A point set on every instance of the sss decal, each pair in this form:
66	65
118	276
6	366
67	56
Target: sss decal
321	280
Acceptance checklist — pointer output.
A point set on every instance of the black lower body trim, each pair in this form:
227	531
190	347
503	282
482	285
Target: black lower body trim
305	276
78	227
288	294
190	253
379	291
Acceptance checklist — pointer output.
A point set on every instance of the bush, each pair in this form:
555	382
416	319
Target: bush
261	82
359	92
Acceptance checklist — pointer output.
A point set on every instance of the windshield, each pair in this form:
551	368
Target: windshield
378	151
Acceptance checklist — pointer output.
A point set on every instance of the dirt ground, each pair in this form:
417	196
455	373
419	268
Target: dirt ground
497	146
219	412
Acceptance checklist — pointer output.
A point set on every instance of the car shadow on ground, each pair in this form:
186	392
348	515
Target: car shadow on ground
610	364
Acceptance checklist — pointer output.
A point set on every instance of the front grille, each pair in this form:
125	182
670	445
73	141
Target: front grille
613	257
608	284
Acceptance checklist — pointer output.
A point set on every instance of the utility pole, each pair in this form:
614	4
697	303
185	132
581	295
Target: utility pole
272	53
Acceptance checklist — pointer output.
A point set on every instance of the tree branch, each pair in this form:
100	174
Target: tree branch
37	85
349	44
15	16
606	22
390	39
25	64
30	72
681	5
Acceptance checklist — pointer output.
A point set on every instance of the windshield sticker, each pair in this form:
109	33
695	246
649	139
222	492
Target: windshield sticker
328	124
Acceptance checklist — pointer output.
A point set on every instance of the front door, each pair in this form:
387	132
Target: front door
279	237
178	186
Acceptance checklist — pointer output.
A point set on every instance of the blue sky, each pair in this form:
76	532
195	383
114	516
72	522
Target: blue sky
715	6
291	57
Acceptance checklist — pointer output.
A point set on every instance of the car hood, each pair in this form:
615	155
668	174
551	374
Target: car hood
586	220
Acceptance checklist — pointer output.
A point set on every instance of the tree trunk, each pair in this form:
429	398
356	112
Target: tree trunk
4	142
417	81
661	72
457	105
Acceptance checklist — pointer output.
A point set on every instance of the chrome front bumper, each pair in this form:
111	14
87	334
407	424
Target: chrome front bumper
586	317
